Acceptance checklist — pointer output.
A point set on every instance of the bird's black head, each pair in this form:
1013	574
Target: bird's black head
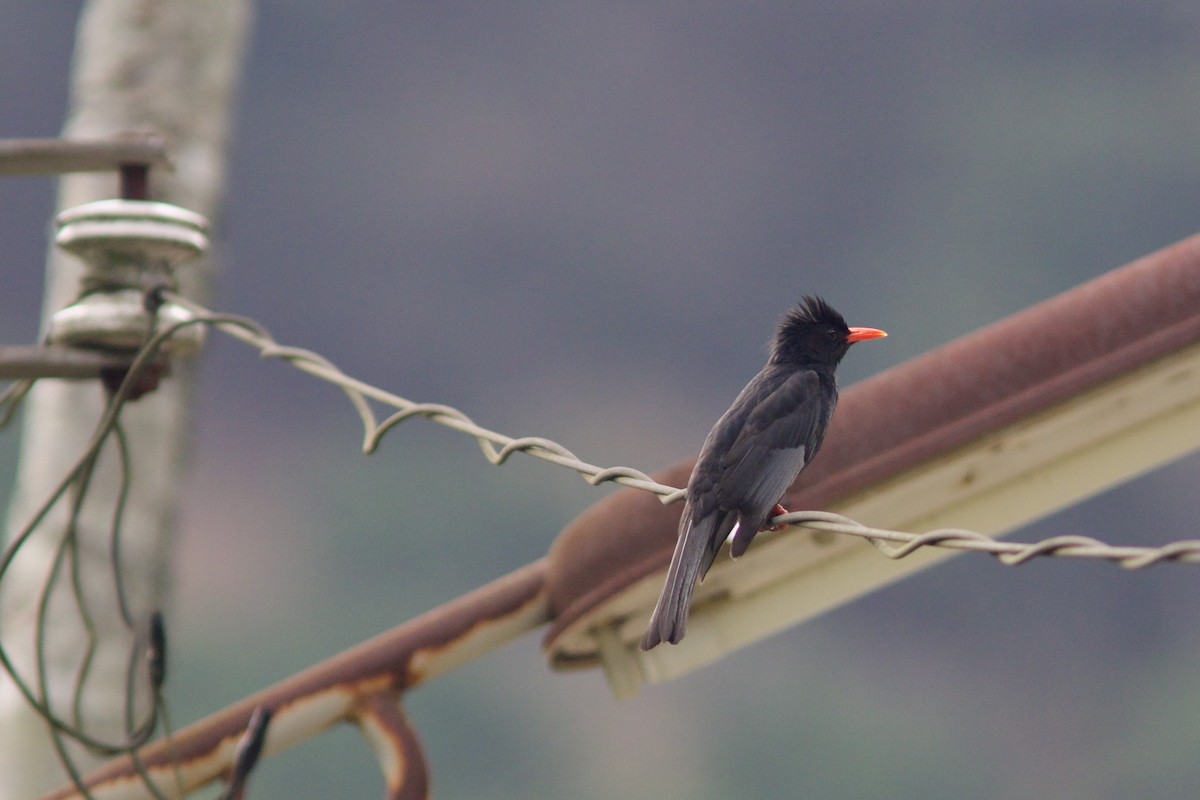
814	333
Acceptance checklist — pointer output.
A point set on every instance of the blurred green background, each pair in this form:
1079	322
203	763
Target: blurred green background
582	221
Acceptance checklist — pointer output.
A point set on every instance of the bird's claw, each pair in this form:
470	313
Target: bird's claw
778	511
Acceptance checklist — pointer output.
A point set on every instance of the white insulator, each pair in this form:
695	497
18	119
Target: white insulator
127	246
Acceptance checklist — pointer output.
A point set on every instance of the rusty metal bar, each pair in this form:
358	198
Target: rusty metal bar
396	744
335	690
605	566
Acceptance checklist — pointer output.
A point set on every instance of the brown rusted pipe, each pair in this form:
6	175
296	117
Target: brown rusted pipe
397	746
914	413
337	689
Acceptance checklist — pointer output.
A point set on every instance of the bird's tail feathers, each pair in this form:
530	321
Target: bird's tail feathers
698	545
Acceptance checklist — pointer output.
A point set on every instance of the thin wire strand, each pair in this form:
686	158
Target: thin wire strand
66	565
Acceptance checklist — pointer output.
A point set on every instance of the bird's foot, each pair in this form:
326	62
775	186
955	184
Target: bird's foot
779	510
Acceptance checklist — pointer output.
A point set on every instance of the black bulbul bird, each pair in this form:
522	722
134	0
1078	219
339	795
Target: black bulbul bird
755	451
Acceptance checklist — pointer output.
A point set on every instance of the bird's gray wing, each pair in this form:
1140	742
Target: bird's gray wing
749	459
781	434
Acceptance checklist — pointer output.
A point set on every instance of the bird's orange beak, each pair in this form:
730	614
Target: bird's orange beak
863	334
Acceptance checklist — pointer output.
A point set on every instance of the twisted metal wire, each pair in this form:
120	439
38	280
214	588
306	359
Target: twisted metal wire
149	646
497	448
898	544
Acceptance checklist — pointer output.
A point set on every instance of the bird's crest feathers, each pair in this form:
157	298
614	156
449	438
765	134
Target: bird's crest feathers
814	310
813	331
